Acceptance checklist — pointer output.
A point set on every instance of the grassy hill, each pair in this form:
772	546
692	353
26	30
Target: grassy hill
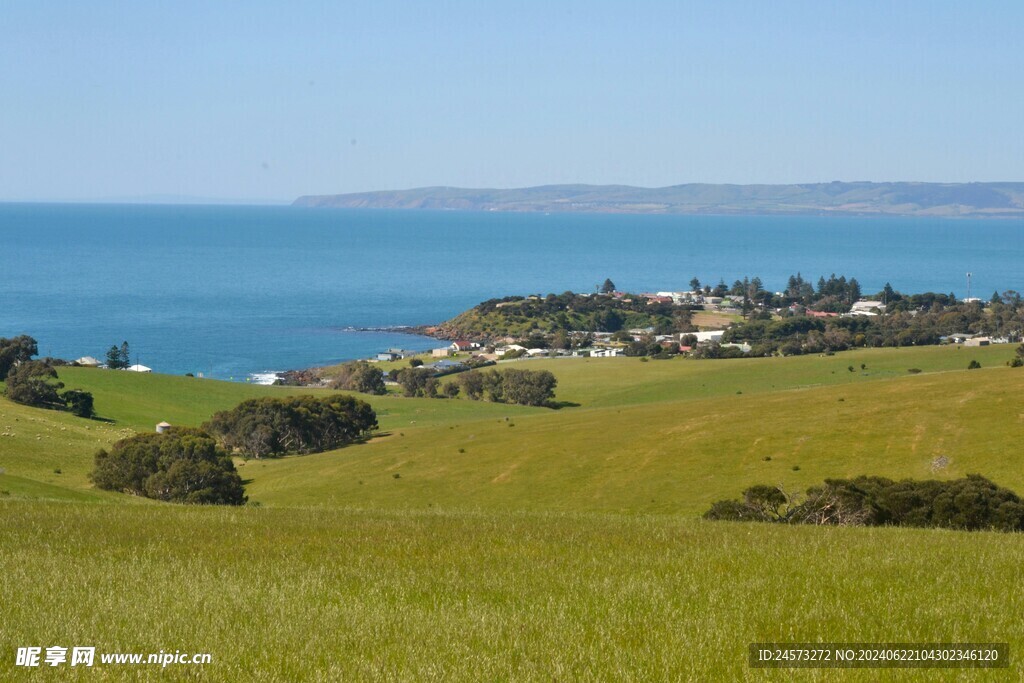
660	436
673	436
558	544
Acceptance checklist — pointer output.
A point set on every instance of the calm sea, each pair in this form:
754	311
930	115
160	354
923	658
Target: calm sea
231	291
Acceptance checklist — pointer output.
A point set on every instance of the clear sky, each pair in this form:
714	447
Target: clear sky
261	101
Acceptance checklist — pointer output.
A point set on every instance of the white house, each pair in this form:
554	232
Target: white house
865	307
139	368
502	350
605	353
706	336
88	362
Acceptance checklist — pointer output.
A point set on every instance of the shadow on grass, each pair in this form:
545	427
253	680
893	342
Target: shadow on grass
558	405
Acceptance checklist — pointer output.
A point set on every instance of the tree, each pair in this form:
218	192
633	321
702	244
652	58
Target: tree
360	376
472	384
560	340
528	387
181	465
16	350
608	287
415	362
33	383
694	284
415	382
118	358
79	402
297	424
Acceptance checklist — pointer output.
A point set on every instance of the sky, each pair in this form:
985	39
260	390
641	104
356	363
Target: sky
261	101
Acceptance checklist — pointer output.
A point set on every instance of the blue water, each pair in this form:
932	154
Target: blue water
230	291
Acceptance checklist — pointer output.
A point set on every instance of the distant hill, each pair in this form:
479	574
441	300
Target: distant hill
975	200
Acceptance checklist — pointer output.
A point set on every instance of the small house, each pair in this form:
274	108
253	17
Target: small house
162	427
139	368
88	362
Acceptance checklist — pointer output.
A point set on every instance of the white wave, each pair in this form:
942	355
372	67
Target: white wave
263	377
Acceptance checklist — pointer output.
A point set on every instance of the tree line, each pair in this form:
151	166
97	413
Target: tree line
969	503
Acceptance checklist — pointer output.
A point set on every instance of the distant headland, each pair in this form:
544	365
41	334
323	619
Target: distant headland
964	200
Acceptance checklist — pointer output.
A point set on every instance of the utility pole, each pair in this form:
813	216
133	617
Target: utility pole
968	286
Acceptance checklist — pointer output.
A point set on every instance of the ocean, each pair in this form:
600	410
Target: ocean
237	291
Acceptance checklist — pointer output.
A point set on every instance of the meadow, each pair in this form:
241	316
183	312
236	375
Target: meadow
329	595
480	541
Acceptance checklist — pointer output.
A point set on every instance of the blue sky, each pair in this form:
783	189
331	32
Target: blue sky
266	101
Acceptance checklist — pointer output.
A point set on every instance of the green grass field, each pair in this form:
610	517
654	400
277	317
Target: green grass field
523	543
331	595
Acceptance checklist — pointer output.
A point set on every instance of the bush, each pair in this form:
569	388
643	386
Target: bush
973	365
181	465
299	424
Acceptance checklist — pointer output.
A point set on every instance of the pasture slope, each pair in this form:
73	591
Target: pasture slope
523	543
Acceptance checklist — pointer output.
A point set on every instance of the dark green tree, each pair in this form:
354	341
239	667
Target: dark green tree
608	287
34	383
472	385
182	465
528	387
79	402
16	350
296	424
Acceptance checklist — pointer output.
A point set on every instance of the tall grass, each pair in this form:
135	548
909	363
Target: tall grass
344	595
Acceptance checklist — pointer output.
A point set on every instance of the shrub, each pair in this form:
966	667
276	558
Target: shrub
973	365
299	424
181	465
